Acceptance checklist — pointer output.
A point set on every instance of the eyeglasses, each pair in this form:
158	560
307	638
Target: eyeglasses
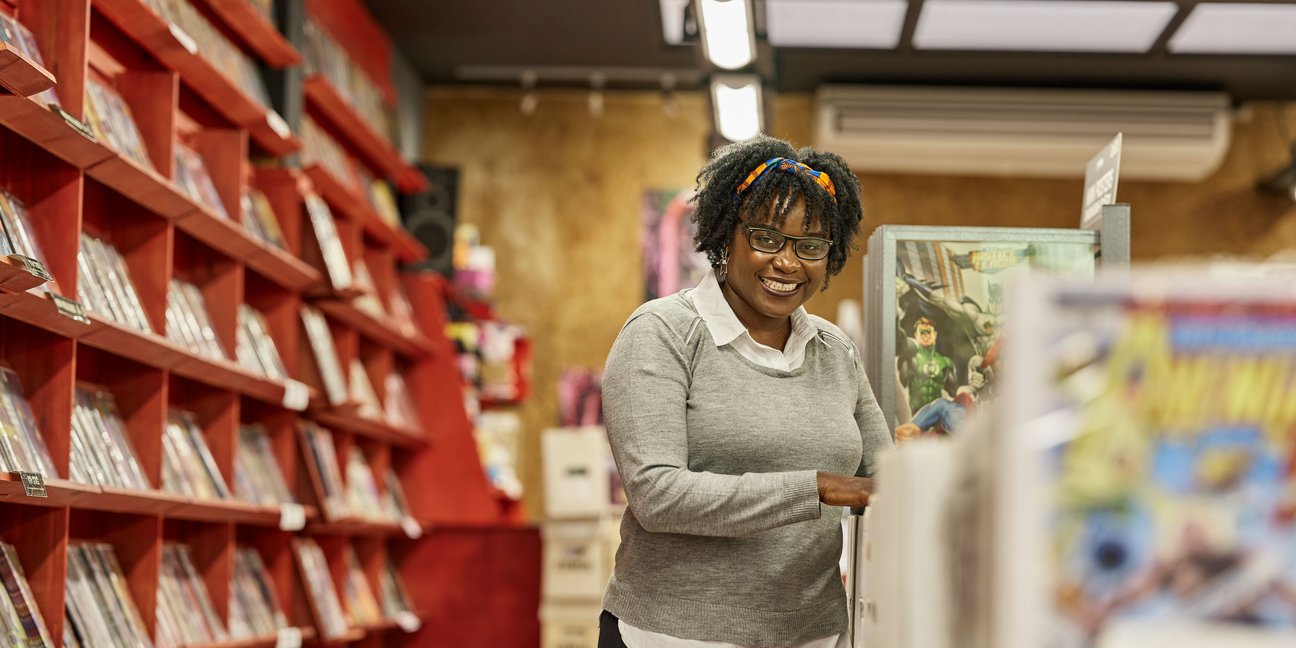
807	248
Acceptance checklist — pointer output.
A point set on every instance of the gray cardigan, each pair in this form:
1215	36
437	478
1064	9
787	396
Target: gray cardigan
724	538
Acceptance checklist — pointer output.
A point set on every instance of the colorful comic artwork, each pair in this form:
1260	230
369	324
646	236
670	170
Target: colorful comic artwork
671	262
1173	497
949	320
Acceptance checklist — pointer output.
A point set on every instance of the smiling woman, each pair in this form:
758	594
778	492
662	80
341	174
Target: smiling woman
735	418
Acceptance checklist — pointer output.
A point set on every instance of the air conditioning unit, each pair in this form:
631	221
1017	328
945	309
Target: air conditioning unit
1022	132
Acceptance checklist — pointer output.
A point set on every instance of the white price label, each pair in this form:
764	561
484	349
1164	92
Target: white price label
278	125
288	638
186	41
292	517
411	527
296	395
408	621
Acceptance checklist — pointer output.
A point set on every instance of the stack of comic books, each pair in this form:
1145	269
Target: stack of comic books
395	598
255	347
361	604
22	447
259	219
18	237
326	58
362	391
16	35
185	613
21	623
320	339
362	489
104	284
189	323
322	460
99	607
212	45
110	118
102	453
399	408
192	177
257	476
333	620
188	467
254	607
319	148
394	503
368	300
326	234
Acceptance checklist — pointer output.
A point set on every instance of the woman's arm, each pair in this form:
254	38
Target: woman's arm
645	394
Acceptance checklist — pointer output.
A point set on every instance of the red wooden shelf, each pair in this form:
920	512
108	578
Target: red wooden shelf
356	526
371	428
36	309
372	145
284	269
227	374
16	279
138	21
257	31
218	510
45	128
120	500
219	233
61	492
307	634
380	331
147	348
20	75
385	625
144	186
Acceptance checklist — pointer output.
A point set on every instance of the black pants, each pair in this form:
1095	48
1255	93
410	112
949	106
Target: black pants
609	632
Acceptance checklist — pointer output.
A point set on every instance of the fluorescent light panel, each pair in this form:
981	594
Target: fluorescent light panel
737	102
1042	25
672	12
861	24
1217	28
727	34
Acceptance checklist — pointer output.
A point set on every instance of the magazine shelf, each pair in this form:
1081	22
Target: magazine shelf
325	101
119	224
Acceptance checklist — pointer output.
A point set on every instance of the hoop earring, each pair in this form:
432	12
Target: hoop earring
723	272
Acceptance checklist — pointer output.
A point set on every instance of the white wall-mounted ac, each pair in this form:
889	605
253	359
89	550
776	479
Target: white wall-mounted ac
1022	132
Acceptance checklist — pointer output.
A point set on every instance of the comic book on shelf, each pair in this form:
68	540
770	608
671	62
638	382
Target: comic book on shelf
102	453
320	148
254	607
1148	467
320	338
399	408
362	489
332	618
110	118
257	476
16	35
255	347
395	598
210	44
326	234
322	456
362	391
105	285
100	609
361	604
191	175
186	615
188	467
19	609
22	447
326	58
189	323
18	238
259	219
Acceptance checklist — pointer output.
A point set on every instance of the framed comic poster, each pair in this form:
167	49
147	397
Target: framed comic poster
934	312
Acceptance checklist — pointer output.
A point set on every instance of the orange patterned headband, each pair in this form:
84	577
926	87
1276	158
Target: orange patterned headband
791	166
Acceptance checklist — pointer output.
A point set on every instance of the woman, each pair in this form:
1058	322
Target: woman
739	422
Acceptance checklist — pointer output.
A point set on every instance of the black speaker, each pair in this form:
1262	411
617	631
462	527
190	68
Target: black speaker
430	216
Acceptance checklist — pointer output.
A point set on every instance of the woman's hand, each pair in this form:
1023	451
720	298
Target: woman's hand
843	490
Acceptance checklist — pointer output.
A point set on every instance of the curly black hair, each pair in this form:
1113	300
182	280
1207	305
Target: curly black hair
718	209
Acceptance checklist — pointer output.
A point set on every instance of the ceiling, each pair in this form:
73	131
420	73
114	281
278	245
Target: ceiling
564	42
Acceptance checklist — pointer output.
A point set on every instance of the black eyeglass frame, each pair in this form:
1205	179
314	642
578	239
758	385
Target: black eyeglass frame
784	239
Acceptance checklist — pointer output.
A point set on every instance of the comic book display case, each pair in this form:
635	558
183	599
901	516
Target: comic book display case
194	322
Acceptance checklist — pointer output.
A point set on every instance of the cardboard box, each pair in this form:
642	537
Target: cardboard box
577	563
577	473
569	625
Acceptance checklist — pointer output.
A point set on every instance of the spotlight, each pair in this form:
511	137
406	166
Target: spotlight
736	99
727	34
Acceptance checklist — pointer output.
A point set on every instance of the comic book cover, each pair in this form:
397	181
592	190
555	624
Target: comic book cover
949	314
1164	417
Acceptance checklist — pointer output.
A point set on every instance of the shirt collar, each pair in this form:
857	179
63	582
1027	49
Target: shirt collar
725	327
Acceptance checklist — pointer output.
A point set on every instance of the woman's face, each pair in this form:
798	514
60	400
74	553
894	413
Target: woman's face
773	286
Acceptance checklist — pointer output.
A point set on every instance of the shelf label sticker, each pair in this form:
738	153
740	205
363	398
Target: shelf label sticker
76	124
69	308
411	527
288	638
292	517
33	484
296	395
186	41
278	125
408	621
31	265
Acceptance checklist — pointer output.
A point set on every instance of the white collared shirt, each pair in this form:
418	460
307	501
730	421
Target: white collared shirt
726	328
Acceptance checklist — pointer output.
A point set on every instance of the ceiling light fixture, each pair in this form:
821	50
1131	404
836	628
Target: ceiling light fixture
1130	26
1237	28
736	100
727	35
529	98
597	81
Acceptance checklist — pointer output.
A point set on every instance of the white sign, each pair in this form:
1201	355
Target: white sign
292	517
296	395
411	527
186	41
288	638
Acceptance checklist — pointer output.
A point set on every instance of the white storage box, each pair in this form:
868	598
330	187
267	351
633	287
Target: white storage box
577	466
569	625
577	560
